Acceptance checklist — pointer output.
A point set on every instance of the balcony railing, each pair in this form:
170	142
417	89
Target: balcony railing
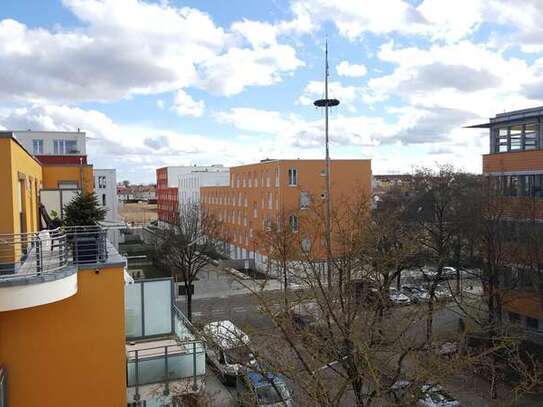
51	251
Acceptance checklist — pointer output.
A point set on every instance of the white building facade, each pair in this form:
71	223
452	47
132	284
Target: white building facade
63	143
189	184
105	187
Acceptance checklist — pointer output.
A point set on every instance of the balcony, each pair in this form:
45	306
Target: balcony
165	358
40	268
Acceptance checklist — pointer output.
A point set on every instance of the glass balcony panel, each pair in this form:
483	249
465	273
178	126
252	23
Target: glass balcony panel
157	307
181	366
133	317
151	371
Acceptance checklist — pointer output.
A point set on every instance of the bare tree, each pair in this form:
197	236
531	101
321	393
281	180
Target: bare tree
184	247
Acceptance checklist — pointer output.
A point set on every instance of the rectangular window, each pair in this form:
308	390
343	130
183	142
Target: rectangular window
501	140
532	323
3	388
515	135
103	199
305	200
62	147
270	200
292	176
277	177
514	317
530	136
101	182
37	148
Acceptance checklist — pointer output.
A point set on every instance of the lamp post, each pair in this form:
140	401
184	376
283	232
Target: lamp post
327	103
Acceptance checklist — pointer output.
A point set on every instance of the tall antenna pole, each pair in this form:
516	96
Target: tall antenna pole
327	103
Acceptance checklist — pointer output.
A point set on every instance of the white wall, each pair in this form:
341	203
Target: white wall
26	139
107	191
189	184
174	173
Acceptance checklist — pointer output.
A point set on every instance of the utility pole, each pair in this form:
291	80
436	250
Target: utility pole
327	103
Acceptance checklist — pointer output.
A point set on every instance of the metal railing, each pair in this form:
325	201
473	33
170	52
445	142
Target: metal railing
51	251
186	359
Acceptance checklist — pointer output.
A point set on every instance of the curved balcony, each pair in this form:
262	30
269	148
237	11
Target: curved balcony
41	268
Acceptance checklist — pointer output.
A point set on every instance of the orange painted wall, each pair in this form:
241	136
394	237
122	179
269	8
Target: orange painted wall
69	353
52	174
513	161
350	180
16	161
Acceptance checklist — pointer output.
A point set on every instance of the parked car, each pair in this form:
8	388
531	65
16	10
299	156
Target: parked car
227	351
398	298
442	293
435	396
257	389
448	272
428	395
416	294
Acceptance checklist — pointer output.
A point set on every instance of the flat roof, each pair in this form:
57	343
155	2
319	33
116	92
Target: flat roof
512	116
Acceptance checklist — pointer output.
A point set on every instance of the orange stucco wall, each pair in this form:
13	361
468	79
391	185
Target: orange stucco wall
71	352
52	174
15	165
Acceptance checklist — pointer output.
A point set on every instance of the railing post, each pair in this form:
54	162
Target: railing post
167	387
39	259
194	384
137	371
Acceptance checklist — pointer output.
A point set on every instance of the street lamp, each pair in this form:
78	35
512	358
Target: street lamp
327	103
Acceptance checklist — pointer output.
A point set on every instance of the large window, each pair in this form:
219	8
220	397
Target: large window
101	181
516	137
37	146
65	147
292	176
293	223
530	185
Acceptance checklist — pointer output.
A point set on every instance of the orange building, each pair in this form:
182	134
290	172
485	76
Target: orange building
263	193
515	164
62	335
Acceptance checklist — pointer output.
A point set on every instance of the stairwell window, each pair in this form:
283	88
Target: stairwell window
293	223
292	177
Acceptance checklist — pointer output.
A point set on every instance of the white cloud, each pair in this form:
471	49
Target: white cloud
130	47
345	68
185	105
160	104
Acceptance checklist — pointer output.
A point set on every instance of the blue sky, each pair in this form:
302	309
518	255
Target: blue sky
158	83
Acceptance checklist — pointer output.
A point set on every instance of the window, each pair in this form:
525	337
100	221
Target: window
305	200
306	245
293	223
101	181
277	177
515	137
532	323
514	317
270	200
292	176
65	147
37	148
530	136
103	199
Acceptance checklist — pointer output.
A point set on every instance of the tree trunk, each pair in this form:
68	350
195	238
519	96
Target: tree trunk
189	302
430	319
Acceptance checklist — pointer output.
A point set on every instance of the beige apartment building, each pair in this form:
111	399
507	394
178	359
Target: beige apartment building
280	190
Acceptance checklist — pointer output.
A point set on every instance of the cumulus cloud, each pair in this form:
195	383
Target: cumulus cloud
185	105
345	68
130	47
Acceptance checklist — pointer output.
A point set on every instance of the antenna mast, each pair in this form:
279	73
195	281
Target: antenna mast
327	103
